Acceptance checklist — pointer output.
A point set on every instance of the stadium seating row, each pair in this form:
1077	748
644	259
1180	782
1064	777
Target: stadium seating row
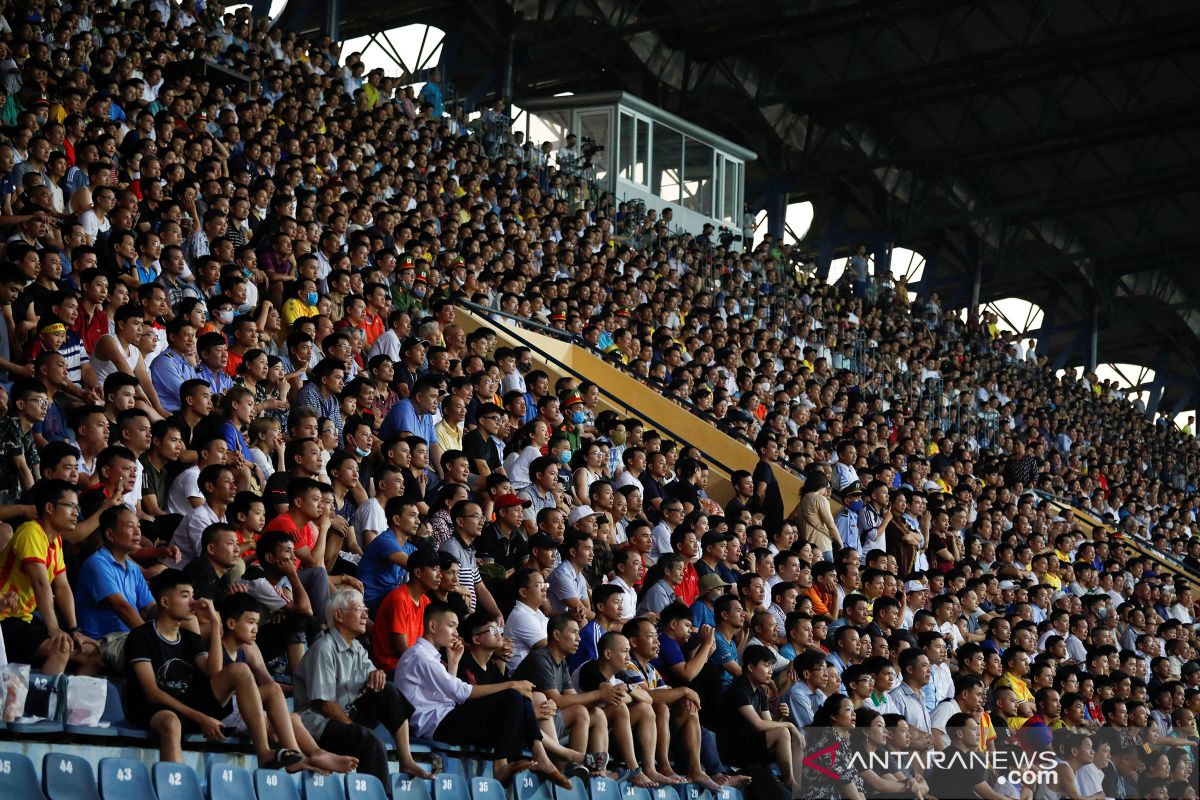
70	777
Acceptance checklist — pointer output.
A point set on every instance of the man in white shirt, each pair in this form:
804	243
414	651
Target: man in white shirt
628	571
499	716
526	624
219	487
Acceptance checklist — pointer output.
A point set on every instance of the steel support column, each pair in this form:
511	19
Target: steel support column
1094	336
333	9
776	206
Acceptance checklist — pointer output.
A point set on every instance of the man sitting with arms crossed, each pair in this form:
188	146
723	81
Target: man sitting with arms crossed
497	715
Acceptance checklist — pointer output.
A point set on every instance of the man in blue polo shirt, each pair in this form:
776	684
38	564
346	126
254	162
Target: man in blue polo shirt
413	416
384	561
111	594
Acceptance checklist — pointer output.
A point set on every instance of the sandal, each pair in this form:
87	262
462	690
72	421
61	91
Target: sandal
283	759
596	762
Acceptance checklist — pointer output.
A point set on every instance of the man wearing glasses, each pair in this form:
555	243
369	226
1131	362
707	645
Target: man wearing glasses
18	451
33	577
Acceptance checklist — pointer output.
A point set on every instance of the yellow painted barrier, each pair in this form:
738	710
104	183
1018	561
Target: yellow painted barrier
630	397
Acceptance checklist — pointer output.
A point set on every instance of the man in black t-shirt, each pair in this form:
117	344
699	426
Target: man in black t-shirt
478	444
180	684
960	775
747	736
632	710
767	498
483	663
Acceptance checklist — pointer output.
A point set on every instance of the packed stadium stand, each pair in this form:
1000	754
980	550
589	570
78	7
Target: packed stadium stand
356	445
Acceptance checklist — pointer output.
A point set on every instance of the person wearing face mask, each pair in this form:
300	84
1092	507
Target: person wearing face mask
847	518
574	418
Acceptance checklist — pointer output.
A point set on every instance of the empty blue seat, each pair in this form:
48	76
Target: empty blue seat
730	793
635	793
227	782
45	692
176	782
123	778
361	786
319	787
665	793
66	777
690	791
450	785
605	789
406	788
486	789
275	784
18	778
530	786
114	715
578	790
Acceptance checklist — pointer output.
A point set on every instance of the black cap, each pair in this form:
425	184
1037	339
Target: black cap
854	487
412	341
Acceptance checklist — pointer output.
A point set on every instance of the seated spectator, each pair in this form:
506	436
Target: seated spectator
526	624
750	738
240	614
112	595
35	580
219	487
583	719
341	697
499	716
201	686
398	623
383	566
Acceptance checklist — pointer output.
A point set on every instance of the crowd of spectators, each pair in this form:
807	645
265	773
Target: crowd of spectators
250	451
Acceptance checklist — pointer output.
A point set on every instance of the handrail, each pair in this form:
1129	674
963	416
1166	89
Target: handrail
1138	543
488	311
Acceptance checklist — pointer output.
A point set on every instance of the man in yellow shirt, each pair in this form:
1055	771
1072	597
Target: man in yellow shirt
33	572
1016	667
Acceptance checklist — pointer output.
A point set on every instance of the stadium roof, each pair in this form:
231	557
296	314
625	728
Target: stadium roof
1053	146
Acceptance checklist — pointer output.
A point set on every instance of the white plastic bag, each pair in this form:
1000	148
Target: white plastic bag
86	697
16	688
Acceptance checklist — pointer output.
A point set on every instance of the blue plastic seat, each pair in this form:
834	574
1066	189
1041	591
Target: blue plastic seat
635	793
176	782
730	793
406	788
361	786
123	778
66	777
578	790
486	789
690	791
530	786
18	778
275	784
227	782
453	766
114	715
450	785
319	787
605	789
43	686
664	793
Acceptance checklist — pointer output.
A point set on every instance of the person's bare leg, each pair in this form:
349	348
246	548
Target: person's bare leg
404	755
689	731
278	715
779	742
236	680
644	721
621	731
56	659
295	652
542	765
662	720
315	758
575	724
170	736
597	738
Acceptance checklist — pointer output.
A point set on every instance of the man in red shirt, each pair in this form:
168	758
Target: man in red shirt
400	620
92	322
307	522
685	544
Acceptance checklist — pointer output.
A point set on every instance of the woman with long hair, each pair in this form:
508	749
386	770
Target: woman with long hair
871	738
816	515
530	442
